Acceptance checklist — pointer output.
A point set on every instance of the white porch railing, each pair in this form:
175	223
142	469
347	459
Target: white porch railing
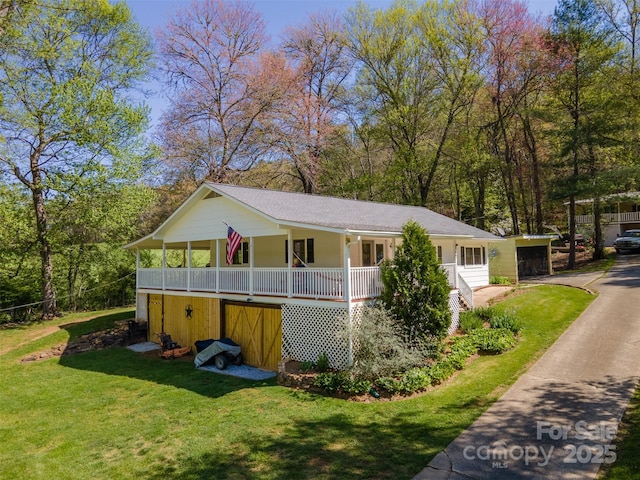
316	283
622	217
465	291
366	282
450	270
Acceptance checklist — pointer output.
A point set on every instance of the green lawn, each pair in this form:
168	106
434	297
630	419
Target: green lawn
117	414
627	442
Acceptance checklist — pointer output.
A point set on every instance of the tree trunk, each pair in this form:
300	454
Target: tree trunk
507	171
598	252
49	305
572	232
426	186
530	143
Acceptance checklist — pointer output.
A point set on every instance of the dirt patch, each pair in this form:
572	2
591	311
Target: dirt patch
37	334
512	292
118	336
560	260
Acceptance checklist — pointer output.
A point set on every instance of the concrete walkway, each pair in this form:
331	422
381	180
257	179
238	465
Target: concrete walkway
560	418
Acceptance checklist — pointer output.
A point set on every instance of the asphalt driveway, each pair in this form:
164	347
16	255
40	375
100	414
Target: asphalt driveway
560	418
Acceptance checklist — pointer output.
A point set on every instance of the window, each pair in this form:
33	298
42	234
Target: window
367	254
470	256
439	253
379	253
242	254
302	249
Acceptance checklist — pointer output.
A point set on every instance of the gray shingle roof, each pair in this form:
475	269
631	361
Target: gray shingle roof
345	214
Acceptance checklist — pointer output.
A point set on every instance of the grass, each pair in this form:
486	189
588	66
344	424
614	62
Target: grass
117	414
627	442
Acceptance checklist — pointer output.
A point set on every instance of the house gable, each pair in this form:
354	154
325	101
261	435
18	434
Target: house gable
207	219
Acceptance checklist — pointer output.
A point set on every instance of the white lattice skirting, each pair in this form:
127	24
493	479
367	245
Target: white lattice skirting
454	306
141	307
309	331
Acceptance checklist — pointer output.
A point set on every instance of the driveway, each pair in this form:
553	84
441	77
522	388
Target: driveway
559	419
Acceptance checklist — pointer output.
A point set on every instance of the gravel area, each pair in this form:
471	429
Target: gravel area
144	347
241	371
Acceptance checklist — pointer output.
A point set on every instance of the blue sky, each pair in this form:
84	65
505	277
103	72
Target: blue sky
278	14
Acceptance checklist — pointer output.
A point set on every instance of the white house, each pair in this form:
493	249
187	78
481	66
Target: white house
620	212
262	301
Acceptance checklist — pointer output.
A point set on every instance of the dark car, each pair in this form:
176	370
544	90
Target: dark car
579	239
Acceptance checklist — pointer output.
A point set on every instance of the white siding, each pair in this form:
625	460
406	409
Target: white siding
205	221
475	276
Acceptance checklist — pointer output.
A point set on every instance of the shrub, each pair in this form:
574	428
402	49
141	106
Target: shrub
494	340
470	321
464	344
497	280
356	387
416	290
379	346
322	365
307	365
506	320
341	381
440	371
485	313
415	379
330	381
390	384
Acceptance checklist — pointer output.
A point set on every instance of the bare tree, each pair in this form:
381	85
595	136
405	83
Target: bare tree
220	84
304	125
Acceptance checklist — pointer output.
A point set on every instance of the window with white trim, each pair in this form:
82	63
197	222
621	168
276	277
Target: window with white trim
241	256
303	250
472	256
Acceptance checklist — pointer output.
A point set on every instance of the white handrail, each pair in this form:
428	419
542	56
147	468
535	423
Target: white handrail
316	283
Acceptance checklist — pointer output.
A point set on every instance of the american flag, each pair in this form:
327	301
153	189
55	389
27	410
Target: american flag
233	243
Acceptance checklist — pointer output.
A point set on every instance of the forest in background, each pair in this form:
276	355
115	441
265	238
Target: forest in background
476	109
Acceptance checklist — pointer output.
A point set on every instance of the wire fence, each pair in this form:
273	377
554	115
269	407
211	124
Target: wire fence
28	312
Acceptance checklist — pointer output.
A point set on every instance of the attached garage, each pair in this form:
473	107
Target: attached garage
257	329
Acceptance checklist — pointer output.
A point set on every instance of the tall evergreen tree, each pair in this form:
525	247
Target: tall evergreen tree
416	290
585	52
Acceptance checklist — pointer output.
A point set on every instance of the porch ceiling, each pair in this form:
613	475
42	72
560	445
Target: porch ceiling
150	243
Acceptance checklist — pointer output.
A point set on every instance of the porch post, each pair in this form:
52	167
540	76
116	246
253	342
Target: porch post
455	264
217	265
250	265
137	268
189	266
164	262
346	284
290	264
347	295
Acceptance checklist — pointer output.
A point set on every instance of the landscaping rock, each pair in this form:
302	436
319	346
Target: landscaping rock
119	336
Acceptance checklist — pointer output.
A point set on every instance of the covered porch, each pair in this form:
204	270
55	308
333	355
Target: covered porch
356	283
320	266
